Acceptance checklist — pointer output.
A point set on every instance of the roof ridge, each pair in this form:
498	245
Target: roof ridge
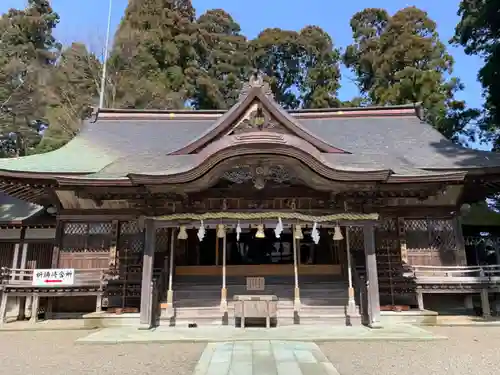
118	113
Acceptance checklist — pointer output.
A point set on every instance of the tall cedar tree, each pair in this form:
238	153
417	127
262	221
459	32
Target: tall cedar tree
400	59
75	86
302	67
28	51
479	32
223	61
154	60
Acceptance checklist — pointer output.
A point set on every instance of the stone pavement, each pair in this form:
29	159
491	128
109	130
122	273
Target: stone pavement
319	333
264	358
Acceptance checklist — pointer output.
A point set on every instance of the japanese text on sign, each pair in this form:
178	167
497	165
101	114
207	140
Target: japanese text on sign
53	277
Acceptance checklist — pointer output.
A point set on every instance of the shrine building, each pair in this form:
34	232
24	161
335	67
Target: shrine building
341	215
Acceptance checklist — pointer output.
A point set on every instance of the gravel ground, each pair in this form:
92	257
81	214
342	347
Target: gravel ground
469	350
55	353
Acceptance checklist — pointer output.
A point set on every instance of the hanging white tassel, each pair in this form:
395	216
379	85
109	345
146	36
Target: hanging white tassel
201	231
315	233
279	228
238	232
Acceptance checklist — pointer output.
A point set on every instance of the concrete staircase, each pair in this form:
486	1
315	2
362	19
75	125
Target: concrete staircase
323	301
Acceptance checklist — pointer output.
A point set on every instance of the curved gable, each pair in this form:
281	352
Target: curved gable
256	98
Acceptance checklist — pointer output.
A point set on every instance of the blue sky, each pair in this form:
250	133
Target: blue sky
86	21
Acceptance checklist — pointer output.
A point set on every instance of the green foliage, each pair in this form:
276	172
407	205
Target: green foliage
400	59
302	67
154	60
28	51
75	85
479	32
223	63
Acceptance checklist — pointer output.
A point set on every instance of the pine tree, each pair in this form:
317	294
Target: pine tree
154	59
400	59
28	51
223	61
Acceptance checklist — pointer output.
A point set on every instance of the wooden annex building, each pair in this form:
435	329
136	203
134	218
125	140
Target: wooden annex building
340	213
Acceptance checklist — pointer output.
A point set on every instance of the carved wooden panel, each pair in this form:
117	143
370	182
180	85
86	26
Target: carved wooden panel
258	119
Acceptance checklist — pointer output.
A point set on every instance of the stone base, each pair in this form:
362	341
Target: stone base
107	320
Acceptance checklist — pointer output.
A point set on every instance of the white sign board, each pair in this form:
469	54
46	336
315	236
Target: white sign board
53	277
256	283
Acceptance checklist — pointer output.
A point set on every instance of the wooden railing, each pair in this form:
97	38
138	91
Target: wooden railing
17	277
456	274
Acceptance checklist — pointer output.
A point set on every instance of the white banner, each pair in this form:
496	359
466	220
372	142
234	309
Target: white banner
53	277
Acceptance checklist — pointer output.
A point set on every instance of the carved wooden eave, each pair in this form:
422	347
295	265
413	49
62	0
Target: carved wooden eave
258	146
28	187
255	94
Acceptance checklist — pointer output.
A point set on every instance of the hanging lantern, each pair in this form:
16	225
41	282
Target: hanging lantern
337	234
182	233
221	231
201	231
297	233
260	232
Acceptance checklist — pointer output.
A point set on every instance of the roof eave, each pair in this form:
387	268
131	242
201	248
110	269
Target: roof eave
446	177
69	181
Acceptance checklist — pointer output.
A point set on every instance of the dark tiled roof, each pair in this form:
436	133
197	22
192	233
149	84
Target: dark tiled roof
405	145
106	141
113	148
395	141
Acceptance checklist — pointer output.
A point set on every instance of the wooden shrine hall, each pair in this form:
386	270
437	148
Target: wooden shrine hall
337	214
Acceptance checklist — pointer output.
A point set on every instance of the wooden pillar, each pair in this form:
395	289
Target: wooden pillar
485	303
34	308
57	244
296	292
223	293
15	260
3	307
216	248
113	254
147	272
420	300
371	273
170	292
461	257
351	302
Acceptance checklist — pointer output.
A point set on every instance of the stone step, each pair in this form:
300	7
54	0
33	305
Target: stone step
325	285
305	311
269	289
281	320
241	280
320	297
282	302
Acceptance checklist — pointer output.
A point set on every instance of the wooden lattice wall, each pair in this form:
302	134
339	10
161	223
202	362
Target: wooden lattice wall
433	242
85	245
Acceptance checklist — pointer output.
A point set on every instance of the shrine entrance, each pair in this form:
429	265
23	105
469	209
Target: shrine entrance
253	251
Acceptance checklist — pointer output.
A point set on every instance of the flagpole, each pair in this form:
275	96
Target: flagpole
105	62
